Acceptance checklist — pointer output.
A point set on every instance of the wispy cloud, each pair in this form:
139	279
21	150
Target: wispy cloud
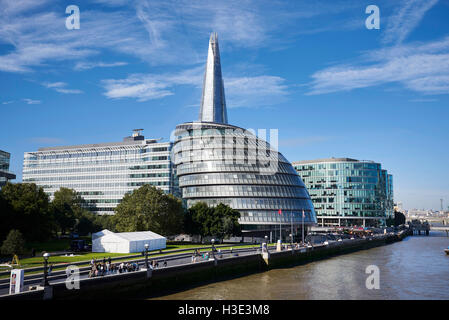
61	87
7	102
419	67
157	32
406	18
248	91
31	101
83	65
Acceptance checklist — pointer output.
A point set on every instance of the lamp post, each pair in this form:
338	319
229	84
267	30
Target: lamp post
45	283
213	248
146	254
291	239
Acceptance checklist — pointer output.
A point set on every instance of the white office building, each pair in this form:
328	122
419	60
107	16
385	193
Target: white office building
102	173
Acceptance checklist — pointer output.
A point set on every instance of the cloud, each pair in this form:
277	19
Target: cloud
60	87
90	65
407	18
156	32
247	91
7	102
422	68
31	101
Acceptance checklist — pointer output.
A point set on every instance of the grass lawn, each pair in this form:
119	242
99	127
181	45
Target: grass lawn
38	260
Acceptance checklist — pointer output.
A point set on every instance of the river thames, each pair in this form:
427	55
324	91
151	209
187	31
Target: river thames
415	268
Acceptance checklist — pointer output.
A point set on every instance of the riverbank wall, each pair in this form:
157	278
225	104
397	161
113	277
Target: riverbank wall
155	282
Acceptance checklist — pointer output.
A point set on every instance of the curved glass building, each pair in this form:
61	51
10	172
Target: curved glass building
347	191
216	162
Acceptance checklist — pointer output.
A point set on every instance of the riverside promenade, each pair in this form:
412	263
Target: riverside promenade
182	272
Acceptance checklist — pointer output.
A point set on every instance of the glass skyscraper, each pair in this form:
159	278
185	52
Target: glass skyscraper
5	175
347	191
102	173
220	163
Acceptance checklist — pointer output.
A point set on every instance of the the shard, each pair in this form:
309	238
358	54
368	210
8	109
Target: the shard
213	103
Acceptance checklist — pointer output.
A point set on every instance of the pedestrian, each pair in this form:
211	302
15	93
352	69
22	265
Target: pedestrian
165	263
109	260
50	269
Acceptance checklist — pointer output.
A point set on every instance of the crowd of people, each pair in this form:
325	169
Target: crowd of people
107	267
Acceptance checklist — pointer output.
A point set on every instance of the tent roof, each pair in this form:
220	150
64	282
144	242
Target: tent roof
130	236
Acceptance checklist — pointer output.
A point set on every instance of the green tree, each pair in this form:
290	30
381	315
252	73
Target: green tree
149	208
65	202
70	213
196	219
28	210
220	222
6	214
14	243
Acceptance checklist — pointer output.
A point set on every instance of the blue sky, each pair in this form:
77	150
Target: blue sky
313	70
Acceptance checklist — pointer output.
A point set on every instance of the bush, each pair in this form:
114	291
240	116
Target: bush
14	243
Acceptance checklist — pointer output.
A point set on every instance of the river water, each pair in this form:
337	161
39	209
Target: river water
415	268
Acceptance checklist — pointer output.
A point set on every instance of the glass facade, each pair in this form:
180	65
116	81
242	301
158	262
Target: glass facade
5	175
102	173
219	163
347	191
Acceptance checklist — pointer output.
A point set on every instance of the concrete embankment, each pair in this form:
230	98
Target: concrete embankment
153	282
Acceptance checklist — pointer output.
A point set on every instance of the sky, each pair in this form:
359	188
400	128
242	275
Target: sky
311	69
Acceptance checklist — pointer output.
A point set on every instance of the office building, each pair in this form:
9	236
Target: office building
5	175
347	192
102	173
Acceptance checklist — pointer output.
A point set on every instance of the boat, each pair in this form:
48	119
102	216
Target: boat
447	251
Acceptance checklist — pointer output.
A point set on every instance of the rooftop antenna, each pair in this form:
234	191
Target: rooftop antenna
441	200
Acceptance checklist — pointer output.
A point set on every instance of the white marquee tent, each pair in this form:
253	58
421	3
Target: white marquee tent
126	242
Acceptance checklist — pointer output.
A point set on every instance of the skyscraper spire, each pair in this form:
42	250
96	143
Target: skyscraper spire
213	103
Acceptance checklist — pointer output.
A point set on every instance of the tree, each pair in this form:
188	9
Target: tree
14	243
28	210
65	202
149	208
196	219
70	213
399	218
220	222
6	213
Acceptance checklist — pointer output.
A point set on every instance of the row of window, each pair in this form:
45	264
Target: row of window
66	154
259	203
86	162
221	166
94	169
239	178
245	191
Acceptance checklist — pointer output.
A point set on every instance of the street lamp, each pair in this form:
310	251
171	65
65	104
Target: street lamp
291	239
45	283
146	254
213	248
